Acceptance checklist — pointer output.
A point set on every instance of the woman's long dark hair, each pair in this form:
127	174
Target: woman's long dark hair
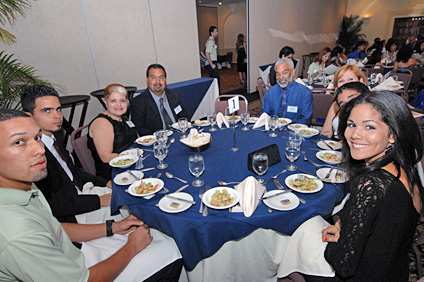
407	149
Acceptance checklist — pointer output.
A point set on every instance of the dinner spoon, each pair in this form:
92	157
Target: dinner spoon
222	183
304	156
170	175
170	142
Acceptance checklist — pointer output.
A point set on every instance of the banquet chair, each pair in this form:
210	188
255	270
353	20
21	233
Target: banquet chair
322	103
79	143
260	85
405	76
365	71
221	103
417	76
371	69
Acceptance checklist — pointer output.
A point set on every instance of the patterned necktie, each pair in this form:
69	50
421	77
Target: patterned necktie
165	115
283	105
65	157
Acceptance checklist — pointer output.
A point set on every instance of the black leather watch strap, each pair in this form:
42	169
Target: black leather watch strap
109	231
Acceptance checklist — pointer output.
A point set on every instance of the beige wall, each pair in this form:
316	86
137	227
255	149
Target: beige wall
206	17
53	38
382	13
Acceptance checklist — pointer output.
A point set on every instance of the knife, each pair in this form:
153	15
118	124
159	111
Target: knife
133	175
326	144
182	188
275	195
147	169
304	171
180	199
279	186
314	149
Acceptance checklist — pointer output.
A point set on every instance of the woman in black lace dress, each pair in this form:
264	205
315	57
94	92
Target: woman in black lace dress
381	146
241	58
110	132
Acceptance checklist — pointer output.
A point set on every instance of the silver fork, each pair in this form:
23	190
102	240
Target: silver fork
283	171
201	192
269	209
205	210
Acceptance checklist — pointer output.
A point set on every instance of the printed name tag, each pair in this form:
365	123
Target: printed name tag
130	123
292	109
178	109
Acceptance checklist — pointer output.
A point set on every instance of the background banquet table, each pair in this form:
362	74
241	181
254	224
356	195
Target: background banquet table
198	237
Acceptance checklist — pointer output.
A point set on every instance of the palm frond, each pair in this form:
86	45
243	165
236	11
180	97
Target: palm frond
9	9
6	37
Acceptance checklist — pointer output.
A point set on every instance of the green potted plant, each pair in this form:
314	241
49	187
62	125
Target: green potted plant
350	32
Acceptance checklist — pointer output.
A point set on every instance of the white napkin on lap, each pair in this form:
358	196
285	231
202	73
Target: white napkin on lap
250	192
300	81
221	119
195	138
262	120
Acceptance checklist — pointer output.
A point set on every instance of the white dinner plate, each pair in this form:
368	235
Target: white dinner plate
296	126
309	132
230	119
132	152
114	160
169	132
320	156
154	181
203	123
177	126
336	176
333	144
295	176
126	179
253	119
208	196
175	206
283	122
280	202
146	140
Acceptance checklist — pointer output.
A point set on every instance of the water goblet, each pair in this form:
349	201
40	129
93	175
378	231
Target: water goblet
160	152
196	165
260	165
273	123
244	120
212	121
183	125
161	137
373	78
295	138
310	79
292	154
325	82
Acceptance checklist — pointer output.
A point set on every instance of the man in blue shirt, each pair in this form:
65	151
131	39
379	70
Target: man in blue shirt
359	53
288	98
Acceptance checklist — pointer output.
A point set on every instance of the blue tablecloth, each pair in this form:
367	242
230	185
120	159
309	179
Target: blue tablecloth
199	237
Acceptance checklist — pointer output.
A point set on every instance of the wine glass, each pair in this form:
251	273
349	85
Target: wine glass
292	154
196	165
212	121
273	123
373	78
183	125
310	79
160	152
161	137
244	120
295	138
325	82
260	165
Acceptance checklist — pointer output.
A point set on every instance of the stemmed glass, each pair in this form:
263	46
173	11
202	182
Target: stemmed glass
295	138
273	123
183	125
260	165
244	120
160	152
292	154
196	165
373	78
161	137
212	121
310	79
325	82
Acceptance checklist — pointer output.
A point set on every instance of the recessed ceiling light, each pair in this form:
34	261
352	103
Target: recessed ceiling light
220	3
200	1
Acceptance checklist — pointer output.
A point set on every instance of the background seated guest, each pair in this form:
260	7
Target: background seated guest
157	107
359	53
337	56
419	54
318	66
111	132
64	184
389	53
35	246
371	240
404	58
285	52
347	73
288	98
376	54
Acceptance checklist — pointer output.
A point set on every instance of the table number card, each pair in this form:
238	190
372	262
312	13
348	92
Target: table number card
233	104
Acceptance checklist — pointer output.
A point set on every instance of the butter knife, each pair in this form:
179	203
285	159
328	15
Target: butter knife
182	188
304	171
326	144
279	186
133	175
275	195
147	169
314	149
180	199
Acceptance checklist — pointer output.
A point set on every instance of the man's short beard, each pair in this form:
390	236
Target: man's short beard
41	175
285	82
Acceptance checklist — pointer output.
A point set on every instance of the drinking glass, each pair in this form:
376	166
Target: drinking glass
373	78
310	79
161	137
380	79
160	152
260	165
273	123
292	154
325	82
183	125
244	120
196	165
212	121
295	138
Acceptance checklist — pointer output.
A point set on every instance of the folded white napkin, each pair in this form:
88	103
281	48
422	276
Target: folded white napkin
298	80
250	192
379	76
360	64
330	86
389	84
195	138
221	119
305	251
262	120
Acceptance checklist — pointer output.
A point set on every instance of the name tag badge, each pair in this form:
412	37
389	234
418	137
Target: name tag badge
130	123
178	109
292	109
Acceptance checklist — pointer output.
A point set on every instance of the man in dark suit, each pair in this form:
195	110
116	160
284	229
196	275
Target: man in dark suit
158	107
62	187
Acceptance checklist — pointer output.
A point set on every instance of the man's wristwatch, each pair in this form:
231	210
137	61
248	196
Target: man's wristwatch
109	231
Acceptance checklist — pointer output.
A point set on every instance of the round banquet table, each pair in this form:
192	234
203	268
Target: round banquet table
199	238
